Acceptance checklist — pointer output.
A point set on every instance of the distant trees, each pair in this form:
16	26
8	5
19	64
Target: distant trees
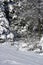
27	15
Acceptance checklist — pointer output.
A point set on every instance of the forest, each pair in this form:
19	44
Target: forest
24	19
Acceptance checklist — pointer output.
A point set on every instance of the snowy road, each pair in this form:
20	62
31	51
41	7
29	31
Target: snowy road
10	56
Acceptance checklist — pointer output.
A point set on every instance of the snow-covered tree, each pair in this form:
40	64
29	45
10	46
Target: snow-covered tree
4	25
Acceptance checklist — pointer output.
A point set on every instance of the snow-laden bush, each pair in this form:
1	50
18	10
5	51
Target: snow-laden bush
10	36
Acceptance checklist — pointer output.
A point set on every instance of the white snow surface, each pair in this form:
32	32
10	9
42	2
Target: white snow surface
10	56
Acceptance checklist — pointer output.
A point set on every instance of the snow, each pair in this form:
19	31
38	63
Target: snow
6	23
37	50
2	23
16	54
10	56
10	7
14	16
41	42
4	26
1	29
19	4
10	36
3	36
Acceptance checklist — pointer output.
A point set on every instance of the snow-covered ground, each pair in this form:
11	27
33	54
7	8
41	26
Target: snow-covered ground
9	55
